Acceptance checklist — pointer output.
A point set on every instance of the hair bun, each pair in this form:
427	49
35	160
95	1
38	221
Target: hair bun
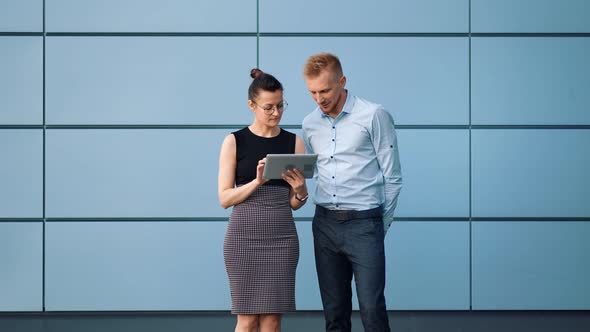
255	73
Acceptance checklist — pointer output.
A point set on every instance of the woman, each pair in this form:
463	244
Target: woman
261	248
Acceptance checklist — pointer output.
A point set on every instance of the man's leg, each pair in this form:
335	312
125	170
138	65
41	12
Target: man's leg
334	275
367	255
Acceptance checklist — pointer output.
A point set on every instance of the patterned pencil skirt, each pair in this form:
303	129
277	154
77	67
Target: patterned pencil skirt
261	251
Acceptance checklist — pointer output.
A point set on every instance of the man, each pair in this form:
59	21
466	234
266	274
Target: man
358	182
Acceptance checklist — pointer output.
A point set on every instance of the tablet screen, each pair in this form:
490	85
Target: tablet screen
276	164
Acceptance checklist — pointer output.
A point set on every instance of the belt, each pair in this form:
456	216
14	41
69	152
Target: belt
344	215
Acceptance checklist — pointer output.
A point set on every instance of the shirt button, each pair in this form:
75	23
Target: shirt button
332	140
332	176
334	195
333	127
331	156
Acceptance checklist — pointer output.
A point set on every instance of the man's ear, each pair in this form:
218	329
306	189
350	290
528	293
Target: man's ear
342	81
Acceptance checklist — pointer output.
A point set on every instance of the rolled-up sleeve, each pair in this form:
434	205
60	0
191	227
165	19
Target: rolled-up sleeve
385	144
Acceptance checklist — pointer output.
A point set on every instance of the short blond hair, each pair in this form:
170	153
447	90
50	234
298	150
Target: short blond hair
322	61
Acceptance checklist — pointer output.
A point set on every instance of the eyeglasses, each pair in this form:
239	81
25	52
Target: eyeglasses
270	109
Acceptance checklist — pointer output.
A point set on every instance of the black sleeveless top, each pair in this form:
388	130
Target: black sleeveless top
250	148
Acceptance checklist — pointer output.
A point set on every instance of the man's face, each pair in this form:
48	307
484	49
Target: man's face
328	92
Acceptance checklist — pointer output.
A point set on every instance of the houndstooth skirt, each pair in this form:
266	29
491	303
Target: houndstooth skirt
261	251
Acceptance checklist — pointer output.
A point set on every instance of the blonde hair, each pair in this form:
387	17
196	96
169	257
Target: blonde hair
322	61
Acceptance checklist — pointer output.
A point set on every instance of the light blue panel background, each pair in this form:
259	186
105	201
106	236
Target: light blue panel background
157	266
21	173
530	16
21	259
21	16
21	80
530	80
530	173
136	173
427	266
419	80
148	80
177	79
435	169
531	265
135	266
365	16
307	290
151	16
133	173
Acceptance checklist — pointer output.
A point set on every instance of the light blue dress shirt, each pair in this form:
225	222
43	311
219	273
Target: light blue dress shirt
358	165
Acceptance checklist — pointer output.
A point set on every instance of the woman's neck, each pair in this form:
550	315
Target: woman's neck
264	131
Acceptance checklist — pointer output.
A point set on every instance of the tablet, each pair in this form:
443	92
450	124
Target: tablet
276	164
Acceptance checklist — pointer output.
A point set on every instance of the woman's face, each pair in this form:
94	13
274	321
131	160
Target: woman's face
268	107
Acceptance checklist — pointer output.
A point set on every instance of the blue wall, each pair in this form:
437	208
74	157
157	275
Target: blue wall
112	114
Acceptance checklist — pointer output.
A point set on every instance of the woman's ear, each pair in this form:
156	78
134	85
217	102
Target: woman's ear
251	105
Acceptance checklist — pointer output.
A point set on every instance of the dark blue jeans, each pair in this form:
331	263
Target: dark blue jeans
351	243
